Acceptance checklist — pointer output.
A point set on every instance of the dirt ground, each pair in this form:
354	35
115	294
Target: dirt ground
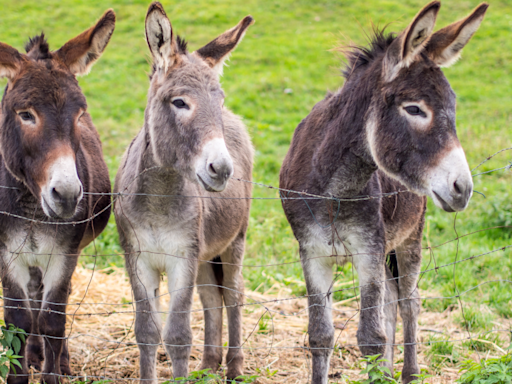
102	341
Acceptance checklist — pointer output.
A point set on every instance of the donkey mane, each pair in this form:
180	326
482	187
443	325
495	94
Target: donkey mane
358	55
182	45
38	47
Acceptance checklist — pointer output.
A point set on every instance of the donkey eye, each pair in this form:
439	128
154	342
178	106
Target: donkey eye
26	116
414	110
179	103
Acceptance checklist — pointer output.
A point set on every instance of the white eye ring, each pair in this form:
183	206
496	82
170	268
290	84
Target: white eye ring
27	116
418	114
179	103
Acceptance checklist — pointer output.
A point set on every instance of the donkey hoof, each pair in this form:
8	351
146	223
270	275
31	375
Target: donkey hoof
12	379
35	356
232	374
65	369
51	379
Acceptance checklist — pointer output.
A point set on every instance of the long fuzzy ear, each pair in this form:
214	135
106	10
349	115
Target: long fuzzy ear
410	42
217	51
160	37
445	46
10	61
81	52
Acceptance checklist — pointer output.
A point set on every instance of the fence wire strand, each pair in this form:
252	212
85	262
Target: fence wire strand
269	307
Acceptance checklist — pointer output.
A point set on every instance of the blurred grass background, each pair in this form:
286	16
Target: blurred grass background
290	48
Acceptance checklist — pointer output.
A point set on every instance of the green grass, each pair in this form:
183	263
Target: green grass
290	46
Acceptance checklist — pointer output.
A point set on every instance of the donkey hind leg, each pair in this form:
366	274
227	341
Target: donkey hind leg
208	278
177	332
35	351
17	312
318	275
390	312
233	282
52	319
145	282
409	265
370	266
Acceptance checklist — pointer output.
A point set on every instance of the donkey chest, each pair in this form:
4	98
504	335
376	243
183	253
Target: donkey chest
336	244
33	248
162	246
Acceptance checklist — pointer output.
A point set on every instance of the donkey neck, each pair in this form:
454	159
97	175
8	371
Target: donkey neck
151	177
343	162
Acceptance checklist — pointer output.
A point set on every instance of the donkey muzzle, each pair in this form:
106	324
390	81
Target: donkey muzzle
63	192
215	166
451	182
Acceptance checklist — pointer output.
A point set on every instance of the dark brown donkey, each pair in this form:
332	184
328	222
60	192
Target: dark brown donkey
179	211
390	128
51	160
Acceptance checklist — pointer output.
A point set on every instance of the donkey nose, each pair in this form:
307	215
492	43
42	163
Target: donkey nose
220	169
66	197
461	193
61	194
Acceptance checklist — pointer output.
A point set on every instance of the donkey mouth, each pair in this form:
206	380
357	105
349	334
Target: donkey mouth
206	186
443	203
50	212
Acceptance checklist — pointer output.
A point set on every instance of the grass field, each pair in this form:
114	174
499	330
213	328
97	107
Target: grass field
291	46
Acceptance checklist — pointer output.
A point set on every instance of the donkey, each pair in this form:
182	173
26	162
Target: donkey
389	129
177	212
55	188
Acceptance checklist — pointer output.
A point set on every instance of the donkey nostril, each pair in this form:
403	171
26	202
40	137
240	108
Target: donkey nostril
55	194
457	189
212	169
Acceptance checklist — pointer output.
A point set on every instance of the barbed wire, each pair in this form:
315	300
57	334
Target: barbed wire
250	301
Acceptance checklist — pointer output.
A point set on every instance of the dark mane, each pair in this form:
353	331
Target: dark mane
38	47
358	56
182	45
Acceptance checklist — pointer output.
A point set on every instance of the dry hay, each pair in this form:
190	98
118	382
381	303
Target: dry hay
102	343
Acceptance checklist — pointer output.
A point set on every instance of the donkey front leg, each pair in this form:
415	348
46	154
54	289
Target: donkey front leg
390	309
177	332
370	265
233	294
35	348
318	276
17	312
409	266
208	278
52	319
145	282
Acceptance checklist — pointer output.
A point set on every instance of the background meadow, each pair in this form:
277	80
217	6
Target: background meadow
285	64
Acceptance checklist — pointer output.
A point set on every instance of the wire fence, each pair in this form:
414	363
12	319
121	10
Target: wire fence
269	310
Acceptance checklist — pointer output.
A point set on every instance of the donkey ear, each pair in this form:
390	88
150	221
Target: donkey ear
217	51
81	52
445	46
160	37
410	42
10	61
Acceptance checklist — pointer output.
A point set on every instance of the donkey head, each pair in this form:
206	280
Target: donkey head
185	102
411	125
43	111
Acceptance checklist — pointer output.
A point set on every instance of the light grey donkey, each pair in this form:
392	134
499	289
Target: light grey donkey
178	213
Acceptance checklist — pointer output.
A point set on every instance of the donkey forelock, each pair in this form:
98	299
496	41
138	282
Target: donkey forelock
37	47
